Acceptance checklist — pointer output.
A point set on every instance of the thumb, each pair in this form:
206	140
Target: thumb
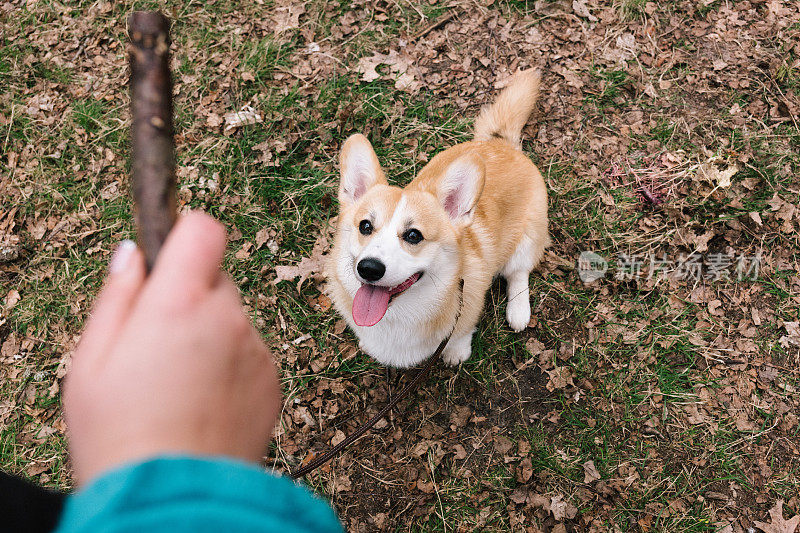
126	276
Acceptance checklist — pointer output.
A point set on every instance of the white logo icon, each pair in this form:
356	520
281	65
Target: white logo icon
591	267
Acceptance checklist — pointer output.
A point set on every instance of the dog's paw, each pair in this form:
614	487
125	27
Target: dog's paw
455	357
457	350
518	313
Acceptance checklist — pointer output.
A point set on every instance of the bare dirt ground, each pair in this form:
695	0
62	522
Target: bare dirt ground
662	397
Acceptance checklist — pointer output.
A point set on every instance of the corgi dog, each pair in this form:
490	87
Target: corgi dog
400	255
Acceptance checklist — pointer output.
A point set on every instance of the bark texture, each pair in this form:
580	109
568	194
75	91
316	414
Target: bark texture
152	130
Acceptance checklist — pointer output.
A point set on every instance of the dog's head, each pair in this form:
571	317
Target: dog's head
395	241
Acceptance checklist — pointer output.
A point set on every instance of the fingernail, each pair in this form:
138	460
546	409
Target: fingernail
122	256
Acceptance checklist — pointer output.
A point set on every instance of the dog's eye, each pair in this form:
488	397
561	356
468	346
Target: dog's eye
365	227
412	236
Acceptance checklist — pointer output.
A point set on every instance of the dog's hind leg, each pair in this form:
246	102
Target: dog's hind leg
517	272
518	309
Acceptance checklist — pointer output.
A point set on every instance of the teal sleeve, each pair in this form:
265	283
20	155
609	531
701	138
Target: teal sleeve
182	494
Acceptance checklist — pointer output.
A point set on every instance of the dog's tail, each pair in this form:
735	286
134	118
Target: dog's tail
506	117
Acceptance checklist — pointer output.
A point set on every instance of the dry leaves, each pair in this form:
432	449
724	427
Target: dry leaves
560	378
9	242
268	236
582	10
793	335
784	211
312	266
719	178
246	116
590	472
287	16
399	65
12	298
777	523
561	508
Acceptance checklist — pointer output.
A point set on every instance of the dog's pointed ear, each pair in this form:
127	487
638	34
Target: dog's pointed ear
461	186
359	168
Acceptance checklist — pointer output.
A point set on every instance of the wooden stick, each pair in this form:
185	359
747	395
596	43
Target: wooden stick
447	17
151	131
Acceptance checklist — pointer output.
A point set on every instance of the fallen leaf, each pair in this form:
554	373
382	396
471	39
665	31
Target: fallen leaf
560	377
265	157
261	237
398	63
720	178
695	417
743	423
10	347
288	17
724	528
428	487
269	237
420	448
503	444
368	66
525	470
380	520
342	483
777	523
339	327
460	416
338	437
626	40
539	500
590	472
793	337
244	252
562	509
308	267
12	298
244	117
519	496
214	121
581	9
460	452
784	211
9	248
324	302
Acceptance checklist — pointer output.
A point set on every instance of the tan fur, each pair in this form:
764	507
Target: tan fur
511	206
507	116
513	203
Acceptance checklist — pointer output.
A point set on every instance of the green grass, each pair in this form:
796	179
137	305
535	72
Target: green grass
611	84
630	9
707	6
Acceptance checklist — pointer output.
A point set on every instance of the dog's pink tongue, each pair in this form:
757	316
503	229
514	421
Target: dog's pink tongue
370	304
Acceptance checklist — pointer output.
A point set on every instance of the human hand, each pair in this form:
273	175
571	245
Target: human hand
169	364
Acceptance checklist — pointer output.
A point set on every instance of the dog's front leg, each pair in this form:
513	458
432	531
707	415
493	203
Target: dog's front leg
473	298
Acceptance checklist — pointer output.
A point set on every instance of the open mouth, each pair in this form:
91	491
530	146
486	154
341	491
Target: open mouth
372	301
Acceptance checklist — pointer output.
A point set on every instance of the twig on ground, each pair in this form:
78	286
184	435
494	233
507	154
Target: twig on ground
436	24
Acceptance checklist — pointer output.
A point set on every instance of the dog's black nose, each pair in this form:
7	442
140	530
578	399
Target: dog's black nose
371	269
